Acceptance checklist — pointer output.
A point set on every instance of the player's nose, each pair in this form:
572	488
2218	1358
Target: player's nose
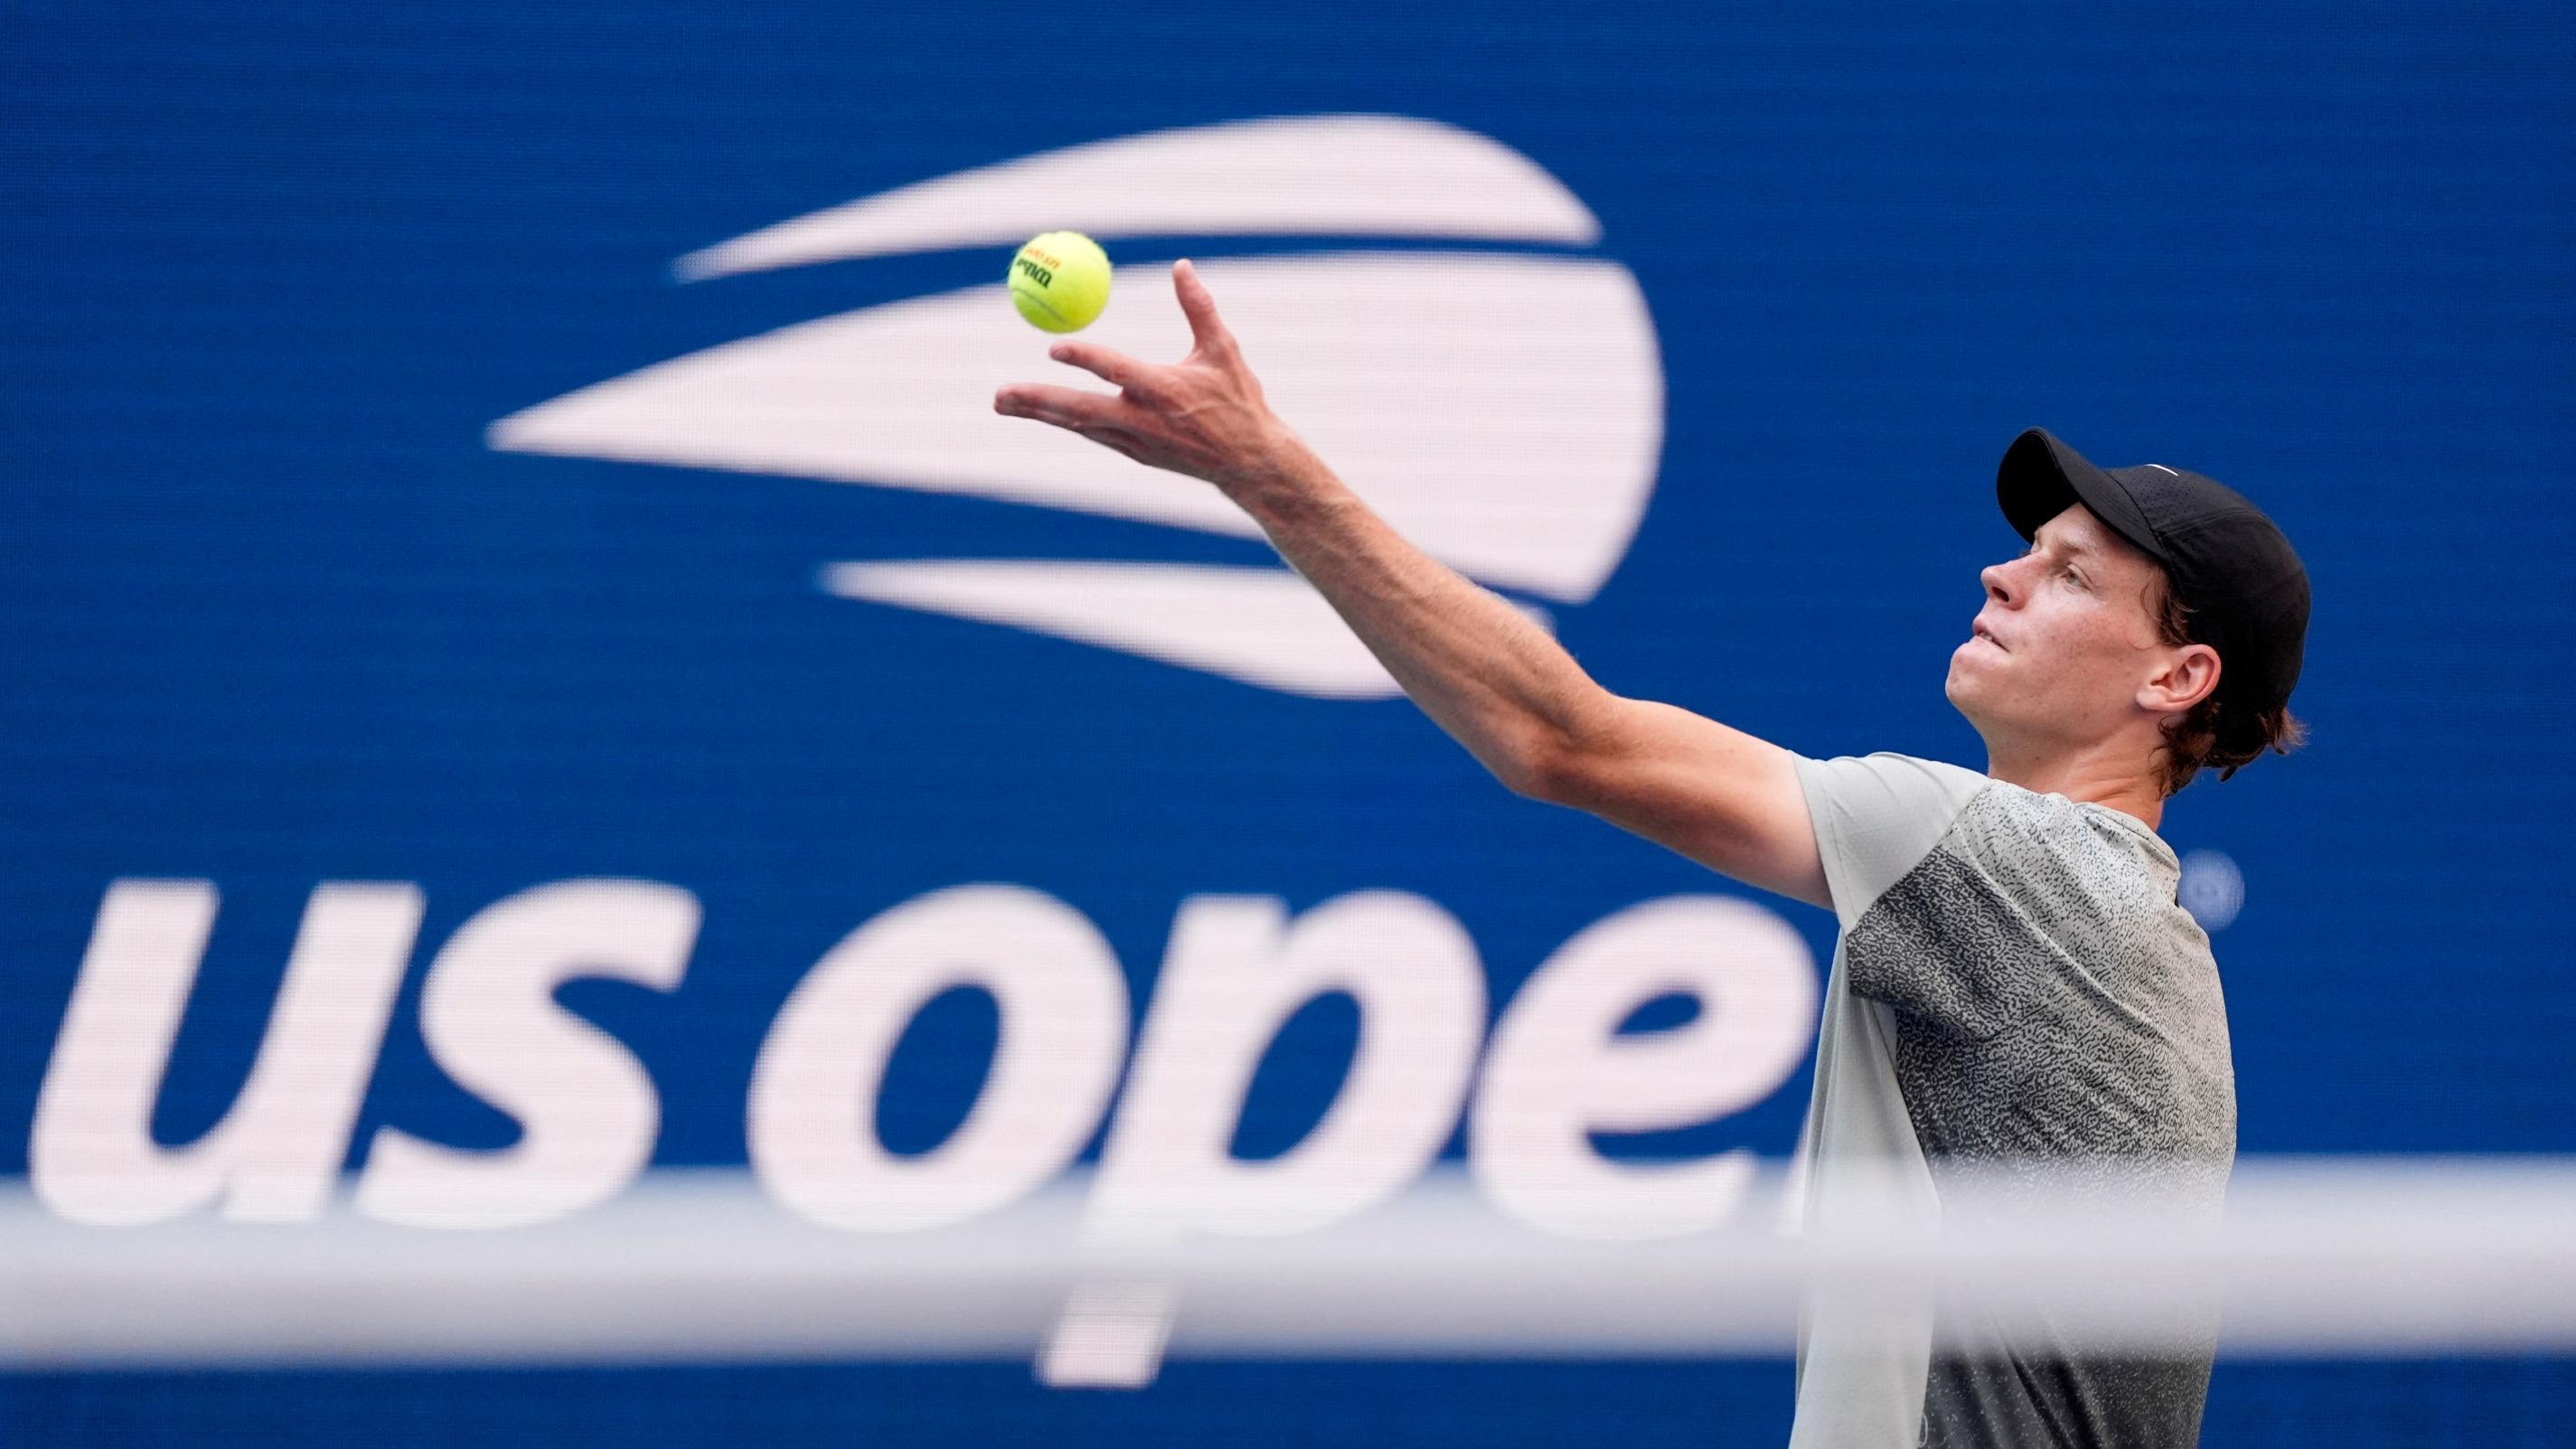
1998	584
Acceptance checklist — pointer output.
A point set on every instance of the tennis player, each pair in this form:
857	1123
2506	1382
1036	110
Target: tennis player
2013	981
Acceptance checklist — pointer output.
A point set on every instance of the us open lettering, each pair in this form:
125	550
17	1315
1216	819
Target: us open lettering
1554	1068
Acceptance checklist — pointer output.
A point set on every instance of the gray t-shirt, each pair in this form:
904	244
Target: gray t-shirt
2014	983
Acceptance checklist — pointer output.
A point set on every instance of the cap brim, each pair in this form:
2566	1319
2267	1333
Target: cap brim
2040	477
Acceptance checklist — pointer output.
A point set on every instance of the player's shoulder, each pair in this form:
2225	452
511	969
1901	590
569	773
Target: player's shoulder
1888	772
1877	816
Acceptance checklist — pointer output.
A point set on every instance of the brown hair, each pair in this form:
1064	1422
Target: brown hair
2216	733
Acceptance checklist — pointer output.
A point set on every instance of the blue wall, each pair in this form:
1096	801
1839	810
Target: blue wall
272	614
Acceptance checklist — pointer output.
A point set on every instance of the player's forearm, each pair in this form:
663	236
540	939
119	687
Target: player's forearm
1483	671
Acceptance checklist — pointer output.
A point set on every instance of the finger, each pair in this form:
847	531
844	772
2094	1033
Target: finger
1117	440
1063	406
1080	423
1109	366
1199	305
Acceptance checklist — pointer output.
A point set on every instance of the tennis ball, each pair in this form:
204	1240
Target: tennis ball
1060	281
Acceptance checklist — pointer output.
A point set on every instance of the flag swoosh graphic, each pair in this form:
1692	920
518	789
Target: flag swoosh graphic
1503	410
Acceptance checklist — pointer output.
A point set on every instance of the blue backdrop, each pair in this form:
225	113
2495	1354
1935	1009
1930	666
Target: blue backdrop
275	615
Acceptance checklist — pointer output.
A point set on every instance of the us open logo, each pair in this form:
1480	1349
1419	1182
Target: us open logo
1503	409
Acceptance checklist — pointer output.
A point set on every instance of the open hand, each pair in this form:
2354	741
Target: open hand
1203	416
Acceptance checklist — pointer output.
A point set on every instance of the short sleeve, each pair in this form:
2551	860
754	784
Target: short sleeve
1876	817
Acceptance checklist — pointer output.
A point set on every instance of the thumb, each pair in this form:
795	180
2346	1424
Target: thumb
1206	328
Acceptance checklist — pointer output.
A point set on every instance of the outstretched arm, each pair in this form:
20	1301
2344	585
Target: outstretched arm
1483	672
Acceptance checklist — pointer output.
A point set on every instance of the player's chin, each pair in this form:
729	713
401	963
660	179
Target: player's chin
1971	671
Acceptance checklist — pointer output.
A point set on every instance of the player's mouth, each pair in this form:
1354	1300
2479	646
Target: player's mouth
1980	631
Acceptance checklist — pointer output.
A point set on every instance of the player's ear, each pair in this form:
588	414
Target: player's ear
2188	676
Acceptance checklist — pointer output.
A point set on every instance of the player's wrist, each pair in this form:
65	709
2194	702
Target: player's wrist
1276	473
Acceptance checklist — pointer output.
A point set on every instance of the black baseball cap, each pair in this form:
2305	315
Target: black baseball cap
2232	567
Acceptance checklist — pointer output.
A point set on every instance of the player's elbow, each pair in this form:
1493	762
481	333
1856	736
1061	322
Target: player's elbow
1521	775
1569	761
1547	768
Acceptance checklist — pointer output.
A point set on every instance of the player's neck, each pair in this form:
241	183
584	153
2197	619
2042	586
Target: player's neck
2106	775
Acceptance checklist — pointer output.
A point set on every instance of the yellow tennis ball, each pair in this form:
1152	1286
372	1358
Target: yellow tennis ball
1060	281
